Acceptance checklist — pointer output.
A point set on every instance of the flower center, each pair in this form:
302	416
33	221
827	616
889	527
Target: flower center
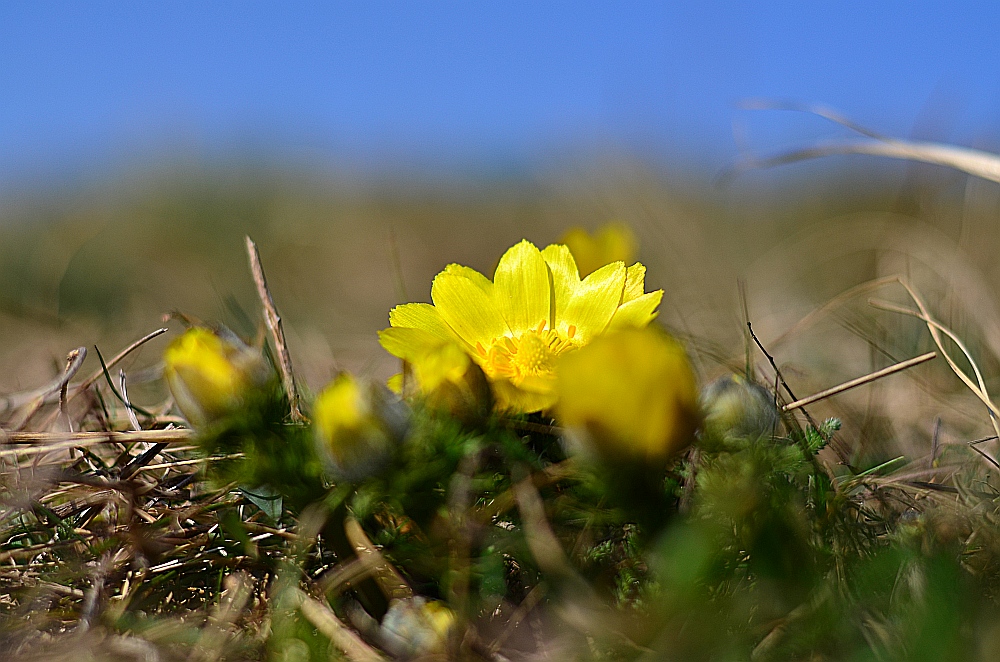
531	354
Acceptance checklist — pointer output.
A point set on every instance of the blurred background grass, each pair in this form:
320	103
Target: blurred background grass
365	147
102	263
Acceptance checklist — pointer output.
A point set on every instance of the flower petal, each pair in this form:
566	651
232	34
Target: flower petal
637	312
421	316
594	303
633	392
565	278
481	281
514	399
521	288
407	343
466	305
635	281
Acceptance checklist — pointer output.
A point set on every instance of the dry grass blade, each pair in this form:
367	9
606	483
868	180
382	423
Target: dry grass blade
525	607
936	329
973	161
860	381
324	620
508	499
832	304
115	360
542	541
344	574
36	443
277	332
35	399
387	577
129	409
979	386
812	109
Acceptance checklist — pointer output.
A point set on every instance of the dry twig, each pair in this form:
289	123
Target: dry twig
277	333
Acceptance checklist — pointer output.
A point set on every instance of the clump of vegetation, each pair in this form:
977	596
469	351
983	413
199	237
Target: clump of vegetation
547	481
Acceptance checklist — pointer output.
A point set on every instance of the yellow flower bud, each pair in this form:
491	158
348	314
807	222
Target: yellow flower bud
613	242
736	407
631	395
450	380
415	627
210	374
357	426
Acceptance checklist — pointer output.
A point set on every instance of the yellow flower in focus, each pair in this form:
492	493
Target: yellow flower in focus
630	396
211	374
516	326
357	426
613	242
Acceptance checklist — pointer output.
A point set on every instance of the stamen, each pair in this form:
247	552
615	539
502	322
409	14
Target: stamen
510	344
571	331
480	349
541	327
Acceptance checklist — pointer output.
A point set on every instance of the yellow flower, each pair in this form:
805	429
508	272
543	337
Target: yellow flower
417	627
357	426
612	242
210	374
629	396
515	327
449	379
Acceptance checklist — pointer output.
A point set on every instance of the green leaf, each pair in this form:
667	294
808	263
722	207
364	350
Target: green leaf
266	498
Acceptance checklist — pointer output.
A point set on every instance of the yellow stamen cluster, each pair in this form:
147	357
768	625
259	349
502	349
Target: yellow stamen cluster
532	354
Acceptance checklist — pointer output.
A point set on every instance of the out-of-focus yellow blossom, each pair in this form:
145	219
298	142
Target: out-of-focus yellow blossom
516	326
629	396
613	242
735	406
449	379
415	627
211	374
357	426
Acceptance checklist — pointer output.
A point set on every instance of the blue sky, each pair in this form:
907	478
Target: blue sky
85	85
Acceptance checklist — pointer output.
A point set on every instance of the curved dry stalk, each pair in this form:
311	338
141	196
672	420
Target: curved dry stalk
77	389
35	399
341	636
835	302
385	574
973	161
115	360
819	110
935	328
978	389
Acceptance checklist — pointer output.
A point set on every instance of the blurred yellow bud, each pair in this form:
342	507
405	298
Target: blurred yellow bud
737	407
357	426
629	395
450	380
613	242
415	627
211	374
